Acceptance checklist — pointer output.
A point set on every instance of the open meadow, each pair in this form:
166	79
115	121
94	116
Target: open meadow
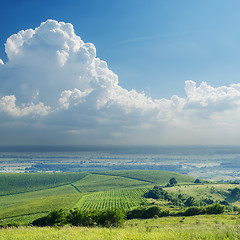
209	227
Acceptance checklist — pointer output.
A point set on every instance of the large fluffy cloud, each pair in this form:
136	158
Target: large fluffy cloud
53	81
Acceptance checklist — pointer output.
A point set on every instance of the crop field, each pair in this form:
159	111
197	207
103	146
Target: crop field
97	183
122	198
12	183
38	201
103	190
151	176
28	195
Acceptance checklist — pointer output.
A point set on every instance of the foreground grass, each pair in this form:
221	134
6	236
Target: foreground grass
197	227
79	233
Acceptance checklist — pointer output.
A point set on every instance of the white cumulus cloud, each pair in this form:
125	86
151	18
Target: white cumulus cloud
54	80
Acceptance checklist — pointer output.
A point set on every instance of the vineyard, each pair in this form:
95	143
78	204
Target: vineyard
25	196
124	199
150	176
12	183
97	183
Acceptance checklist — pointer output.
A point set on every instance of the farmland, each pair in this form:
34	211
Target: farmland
12	183
26	195
32	196
122	198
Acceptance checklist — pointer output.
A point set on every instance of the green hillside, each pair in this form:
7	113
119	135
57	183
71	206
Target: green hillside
213	191
151	176
26	195
97	183
12	183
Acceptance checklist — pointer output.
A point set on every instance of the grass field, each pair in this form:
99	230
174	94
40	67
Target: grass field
212	190
207	227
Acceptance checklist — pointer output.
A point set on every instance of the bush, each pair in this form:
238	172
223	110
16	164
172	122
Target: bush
155	193
173	181
136	213
147	212
208	201
193	211
111	217
235	193
151	212
212	209
215	209
54	218
197	181
76	217
224	202
189	202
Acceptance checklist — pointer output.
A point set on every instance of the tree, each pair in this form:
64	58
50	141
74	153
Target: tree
173	181
215	209
189	202
235	193
197	181
54	218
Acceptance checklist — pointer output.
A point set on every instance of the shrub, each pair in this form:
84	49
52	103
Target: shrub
155	193
147	212
151	212
197	181
215	209
235	193
189	202
208	201
111	217
54	218
191	211
173	181
76	217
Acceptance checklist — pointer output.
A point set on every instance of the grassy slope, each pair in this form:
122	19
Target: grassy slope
97	183
38	201
124	187
76	190
151	176
12	183
217	192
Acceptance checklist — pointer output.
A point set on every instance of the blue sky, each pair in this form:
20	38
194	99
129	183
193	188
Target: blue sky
152	46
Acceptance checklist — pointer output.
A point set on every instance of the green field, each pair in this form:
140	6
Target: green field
214	191
122	198
26	195
12	183
151	176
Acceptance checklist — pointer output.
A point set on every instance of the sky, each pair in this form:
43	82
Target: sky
119	72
